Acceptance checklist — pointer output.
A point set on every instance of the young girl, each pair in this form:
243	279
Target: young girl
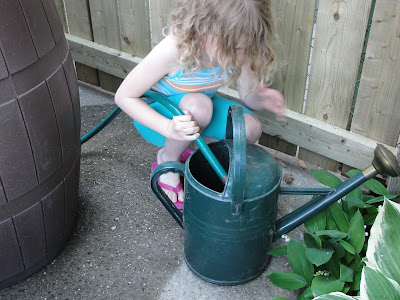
209	43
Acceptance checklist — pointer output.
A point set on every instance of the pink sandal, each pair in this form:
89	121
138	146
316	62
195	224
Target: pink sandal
185	155
176	190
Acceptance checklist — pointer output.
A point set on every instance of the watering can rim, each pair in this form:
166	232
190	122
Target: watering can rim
219	195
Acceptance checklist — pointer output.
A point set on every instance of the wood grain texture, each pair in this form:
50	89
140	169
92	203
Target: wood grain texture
79	24
377	110
160	11
106	31
314	135
339	38
135	27
294	23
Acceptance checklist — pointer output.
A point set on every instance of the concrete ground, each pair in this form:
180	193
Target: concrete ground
125	244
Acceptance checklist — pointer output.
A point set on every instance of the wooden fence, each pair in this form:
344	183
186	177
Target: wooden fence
341	99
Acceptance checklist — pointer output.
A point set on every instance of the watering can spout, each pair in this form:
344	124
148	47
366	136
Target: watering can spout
384	162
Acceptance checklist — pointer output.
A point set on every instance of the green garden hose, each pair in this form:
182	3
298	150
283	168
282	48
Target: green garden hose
215	164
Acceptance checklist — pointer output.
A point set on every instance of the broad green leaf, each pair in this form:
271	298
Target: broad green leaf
356	202
375	285
356	193
332	244
287	281
330	221
346	289
380	199
335	234
333	266
278	251
357	281
384	243
335	296
318	240
298	261
351	173
370	216
318	256
316	223
346	274
356	232
349	248
376	187
367	197
340	217
326	178
348	258
306	295
310	241
324	285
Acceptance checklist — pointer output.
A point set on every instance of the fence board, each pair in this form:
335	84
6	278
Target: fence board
294	22
79	25
339	38
160	11
338	144
105	27
135	27
377	111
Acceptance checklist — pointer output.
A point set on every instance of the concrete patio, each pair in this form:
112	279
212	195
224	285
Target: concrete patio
125	244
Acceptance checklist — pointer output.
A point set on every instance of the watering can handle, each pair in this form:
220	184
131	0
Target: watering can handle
236	130
169	166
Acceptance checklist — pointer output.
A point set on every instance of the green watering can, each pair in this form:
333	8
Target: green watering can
229	217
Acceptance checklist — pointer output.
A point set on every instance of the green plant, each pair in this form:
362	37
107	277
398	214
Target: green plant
330	260
381	276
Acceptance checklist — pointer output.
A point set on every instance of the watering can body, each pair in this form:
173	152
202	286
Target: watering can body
223	243
229	226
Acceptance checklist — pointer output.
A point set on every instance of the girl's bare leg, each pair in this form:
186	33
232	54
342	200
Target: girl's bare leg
200	106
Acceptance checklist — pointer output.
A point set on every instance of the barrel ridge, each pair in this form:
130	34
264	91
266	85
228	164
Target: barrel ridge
39	138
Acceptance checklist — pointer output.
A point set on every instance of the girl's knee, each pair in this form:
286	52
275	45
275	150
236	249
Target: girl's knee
253	128
200	106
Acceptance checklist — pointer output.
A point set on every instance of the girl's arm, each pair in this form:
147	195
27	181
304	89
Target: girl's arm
257	96
159	62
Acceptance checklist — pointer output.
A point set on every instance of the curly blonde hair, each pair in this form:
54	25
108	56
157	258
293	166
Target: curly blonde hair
230	22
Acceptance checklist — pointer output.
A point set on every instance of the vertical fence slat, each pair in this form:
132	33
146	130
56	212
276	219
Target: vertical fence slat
339	38
105	27
377	111
294	23
79	25
135	27
160	11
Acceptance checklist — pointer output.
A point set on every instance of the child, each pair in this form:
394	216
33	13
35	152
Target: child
210	42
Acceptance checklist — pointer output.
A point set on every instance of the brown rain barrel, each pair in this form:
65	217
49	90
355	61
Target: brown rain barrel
39	138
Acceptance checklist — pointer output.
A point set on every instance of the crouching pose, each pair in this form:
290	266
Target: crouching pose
210	43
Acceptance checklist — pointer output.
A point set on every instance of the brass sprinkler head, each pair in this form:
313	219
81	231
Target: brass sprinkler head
384	163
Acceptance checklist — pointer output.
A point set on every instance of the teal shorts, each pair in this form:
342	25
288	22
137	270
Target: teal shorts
216	129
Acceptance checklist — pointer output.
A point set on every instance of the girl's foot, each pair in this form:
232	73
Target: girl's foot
171	179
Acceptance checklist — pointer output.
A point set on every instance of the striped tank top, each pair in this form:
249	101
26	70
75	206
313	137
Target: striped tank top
206	81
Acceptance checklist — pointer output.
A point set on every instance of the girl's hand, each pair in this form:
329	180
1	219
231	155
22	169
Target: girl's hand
273	101
183	128
265	98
